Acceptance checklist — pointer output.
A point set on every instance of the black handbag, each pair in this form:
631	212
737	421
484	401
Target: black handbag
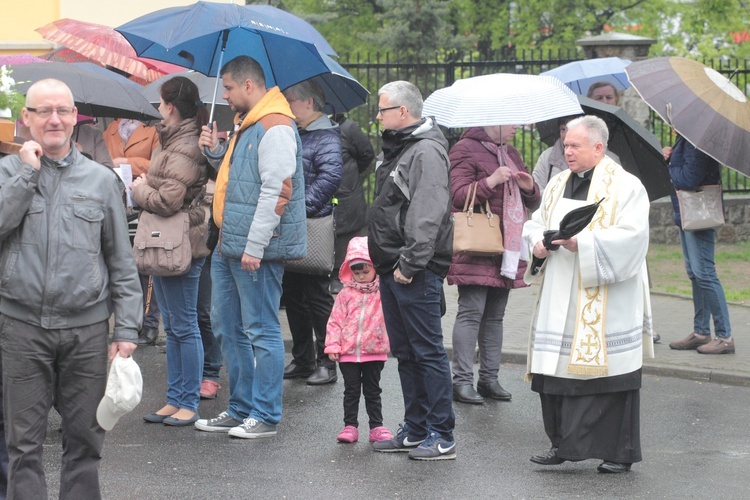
321	243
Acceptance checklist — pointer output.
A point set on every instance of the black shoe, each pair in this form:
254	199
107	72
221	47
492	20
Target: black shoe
176	422
549	458
155	418
613	467
466	394
322	375
148	336
493	390
293	370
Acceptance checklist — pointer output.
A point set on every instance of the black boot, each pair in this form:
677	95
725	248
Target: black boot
148	335
466	394
293	370
322	375
493	390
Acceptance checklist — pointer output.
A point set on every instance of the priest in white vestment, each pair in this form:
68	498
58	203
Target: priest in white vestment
593	324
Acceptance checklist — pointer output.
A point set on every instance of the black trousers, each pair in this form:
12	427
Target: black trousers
362	378
604	426
67	367
308	304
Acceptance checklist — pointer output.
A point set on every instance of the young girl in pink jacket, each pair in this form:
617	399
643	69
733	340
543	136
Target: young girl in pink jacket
357	339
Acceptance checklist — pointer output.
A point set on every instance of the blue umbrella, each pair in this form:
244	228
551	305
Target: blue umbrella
204	35
343	92
579	75
295	26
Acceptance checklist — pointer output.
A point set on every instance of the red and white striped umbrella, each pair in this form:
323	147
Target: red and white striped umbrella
106	46
501	99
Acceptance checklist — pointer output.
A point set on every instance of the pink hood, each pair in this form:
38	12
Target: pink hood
357	250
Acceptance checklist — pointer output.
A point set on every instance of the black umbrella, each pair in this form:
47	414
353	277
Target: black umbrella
639	150
571	224
94	93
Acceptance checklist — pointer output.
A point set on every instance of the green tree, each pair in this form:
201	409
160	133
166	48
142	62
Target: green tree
411	27
706	28
341	22
692	28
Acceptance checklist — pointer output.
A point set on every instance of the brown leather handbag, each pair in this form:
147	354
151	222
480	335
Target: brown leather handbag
476	233
162	246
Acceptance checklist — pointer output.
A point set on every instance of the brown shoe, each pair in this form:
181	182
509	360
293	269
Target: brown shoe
692	341
718	346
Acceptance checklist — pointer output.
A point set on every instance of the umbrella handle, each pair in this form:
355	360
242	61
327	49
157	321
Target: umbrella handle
212	156
224	37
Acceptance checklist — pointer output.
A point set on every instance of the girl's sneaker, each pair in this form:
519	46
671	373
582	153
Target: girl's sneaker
350	434
380	434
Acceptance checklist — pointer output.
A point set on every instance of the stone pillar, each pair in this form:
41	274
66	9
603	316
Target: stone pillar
624	46
619	45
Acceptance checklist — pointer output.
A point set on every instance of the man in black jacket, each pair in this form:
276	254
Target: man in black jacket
410	243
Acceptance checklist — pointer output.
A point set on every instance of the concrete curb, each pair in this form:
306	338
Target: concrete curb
698	374
689	373
685	297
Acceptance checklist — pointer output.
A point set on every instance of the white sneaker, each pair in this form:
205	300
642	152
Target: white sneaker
251	429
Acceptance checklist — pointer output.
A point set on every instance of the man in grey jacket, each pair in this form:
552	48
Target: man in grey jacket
66	265
411	244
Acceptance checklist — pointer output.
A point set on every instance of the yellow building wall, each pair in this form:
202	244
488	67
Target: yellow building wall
22	17
115	12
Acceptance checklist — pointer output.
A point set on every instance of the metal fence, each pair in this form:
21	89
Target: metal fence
433	71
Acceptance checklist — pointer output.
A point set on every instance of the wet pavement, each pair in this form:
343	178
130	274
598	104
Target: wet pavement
693	425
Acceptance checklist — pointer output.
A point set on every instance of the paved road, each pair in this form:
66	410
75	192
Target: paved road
695	438
695	445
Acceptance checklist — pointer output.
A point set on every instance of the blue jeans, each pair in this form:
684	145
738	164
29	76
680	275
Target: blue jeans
708	294
177	297
412	318
211	347
245	319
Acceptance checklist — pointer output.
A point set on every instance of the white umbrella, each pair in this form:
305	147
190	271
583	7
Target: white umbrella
501	99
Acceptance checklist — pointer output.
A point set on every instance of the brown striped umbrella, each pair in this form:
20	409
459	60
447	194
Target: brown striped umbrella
701	104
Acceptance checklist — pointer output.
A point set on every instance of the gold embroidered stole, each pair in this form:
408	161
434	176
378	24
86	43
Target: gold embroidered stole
588	354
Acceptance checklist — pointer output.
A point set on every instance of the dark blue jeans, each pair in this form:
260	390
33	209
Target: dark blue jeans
708	294
211	347
412	318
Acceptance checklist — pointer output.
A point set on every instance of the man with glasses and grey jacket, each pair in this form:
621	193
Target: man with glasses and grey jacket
411	245
66	265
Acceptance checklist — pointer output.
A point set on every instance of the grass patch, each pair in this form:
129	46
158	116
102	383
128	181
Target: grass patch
667	269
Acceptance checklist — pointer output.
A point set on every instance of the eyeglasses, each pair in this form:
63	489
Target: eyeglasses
360	268
46	111
382	110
